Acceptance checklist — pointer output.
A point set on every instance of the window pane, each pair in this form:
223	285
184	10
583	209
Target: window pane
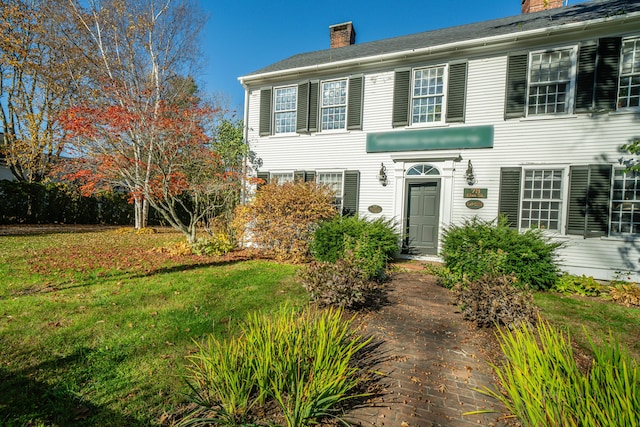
540	204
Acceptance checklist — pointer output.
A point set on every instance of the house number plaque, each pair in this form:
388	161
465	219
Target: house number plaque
475	193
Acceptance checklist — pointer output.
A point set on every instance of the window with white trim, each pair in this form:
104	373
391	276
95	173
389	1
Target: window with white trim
335	181
551	82
541	199
281	177
284	111
333	114
625	202
629	84
427	95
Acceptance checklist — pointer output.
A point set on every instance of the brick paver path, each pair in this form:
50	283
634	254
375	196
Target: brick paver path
432	360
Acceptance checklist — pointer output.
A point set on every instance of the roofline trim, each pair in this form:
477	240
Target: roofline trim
435	49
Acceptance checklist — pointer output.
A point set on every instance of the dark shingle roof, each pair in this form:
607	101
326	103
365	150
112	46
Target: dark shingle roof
514	24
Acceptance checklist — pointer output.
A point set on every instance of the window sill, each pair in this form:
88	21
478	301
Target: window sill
428	125
625	111
283	135
549	117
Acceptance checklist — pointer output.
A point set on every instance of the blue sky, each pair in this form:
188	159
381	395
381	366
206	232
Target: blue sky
244	36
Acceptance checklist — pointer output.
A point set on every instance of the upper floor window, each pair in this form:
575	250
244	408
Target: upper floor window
551	80
334	105
629	86
285	103
427	95
541	199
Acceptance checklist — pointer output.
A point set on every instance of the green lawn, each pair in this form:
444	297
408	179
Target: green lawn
95	327
597	317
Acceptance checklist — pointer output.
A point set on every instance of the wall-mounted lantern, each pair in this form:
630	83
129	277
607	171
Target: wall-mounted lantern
470	177
382	175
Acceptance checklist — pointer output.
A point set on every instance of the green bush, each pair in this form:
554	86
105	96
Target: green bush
303	363
341	284
542	385
217	244
492	300
569	284
479	247
372	243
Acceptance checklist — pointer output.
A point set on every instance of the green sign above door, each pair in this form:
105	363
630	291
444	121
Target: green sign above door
431	139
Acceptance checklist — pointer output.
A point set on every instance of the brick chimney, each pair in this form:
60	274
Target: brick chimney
342	35
538	5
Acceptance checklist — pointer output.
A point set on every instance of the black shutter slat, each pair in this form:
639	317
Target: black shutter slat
577	209
598	200
509	200
313	106
456	92
354	109
401	89
265	112
515	101
607	73
586	78
263	176
351	193
302	109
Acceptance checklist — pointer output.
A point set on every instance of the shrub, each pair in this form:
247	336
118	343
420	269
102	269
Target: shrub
578	285
372	243
481	247
542	385
282	218
301	363
625	294
340	284
492	300
216	244
444	276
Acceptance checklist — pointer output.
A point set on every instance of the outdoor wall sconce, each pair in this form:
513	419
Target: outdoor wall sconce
382	175
471	179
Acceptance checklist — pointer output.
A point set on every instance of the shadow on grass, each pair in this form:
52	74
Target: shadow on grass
26	401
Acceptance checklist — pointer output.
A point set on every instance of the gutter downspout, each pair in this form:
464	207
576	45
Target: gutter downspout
245	135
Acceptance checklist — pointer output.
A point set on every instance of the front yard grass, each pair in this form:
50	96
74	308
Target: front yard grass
577	315
95	326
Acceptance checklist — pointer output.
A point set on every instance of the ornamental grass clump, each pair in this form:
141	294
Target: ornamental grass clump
541	384
303	364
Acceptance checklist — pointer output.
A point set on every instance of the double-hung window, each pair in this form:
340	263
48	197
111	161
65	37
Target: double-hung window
285	103
334	181
333	112
541	199
629	84
281	177
551	82
427	95
625	202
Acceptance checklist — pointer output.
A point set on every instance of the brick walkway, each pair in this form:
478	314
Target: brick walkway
431	358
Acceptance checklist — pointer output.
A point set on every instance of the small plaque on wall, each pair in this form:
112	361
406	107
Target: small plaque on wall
375	209
475	193
474	204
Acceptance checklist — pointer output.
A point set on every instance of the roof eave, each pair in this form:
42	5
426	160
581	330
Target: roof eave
465	44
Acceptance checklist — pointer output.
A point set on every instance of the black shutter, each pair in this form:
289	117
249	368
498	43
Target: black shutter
309	176
354	109
265	112
509	200
589	191
263	176
302	109
401	89
456	93
313	106
351	193
299	176
515	101
586	78
607	73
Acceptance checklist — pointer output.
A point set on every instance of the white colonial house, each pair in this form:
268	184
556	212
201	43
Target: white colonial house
522	116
